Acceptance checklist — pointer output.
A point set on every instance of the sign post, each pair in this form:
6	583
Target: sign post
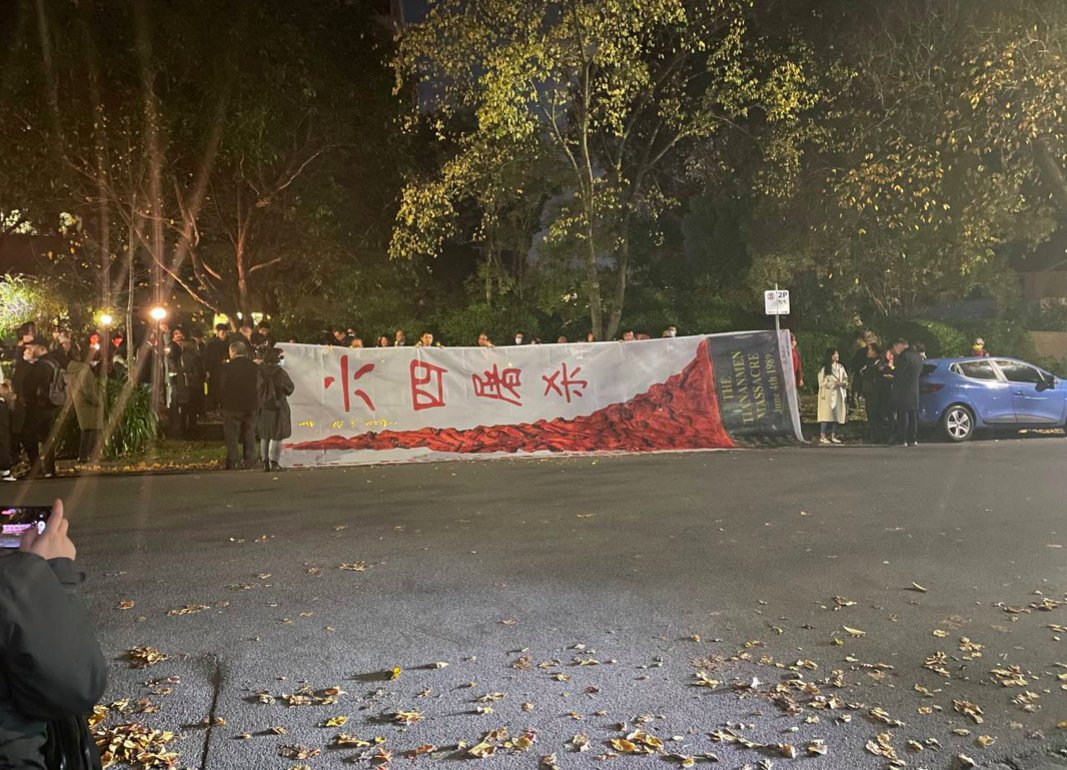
776	303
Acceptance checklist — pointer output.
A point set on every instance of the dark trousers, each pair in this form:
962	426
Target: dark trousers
37	435
182	419
906	426
7	450
239	428
88	444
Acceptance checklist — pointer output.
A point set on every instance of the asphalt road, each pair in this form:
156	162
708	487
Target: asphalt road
581	596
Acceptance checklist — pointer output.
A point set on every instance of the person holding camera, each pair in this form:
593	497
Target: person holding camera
51	667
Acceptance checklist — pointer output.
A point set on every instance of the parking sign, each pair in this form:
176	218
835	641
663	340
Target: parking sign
776	301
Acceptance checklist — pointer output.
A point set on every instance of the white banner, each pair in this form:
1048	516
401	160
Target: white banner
369	405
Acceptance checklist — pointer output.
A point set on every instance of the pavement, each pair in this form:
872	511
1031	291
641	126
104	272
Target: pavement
731	604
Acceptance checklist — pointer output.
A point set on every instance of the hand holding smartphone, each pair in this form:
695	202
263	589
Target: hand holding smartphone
16	521
39	530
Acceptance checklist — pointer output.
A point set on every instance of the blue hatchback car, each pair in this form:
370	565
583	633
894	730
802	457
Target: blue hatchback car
959	396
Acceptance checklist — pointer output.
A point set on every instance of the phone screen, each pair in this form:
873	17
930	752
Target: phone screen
14	522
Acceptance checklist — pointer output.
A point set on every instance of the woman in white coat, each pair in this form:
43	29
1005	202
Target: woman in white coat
833	392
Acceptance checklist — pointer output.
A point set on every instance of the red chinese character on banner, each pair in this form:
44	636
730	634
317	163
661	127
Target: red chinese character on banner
423	375
494	383
366	368
563	383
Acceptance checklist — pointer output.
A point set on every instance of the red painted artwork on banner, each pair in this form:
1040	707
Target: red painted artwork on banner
681	413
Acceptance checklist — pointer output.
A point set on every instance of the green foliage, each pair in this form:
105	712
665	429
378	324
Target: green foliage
812	346
132	426
26	298
610	93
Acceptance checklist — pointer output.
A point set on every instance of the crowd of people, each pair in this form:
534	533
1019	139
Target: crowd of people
347	338
886	380
240	376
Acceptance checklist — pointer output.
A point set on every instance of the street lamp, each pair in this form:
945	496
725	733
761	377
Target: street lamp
106	320
157	314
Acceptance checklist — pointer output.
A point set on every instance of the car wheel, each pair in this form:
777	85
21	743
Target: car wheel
957	423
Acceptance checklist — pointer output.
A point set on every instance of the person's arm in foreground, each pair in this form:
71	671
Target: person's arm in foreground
51	660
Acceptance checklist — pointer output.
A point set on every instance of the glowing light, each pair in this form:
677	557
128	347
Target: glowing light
106	319
158	313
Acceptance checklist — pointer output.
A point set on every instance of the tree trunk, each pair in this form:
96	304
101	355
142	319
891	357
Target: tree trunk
592	279
621	280
1051	172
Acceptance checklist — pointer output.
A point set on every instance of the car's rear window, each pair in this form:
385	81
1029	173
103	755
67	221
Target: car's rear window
977	370
928	369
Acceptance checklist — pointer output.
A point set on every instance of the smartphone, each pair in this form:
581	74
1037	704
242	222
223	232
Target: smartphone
15	522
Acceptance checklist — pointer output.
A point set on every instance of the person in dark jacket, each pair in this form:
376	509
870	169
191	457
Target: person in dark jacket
32	381
275	419
51	666
239	401
904	396
8	432
877	378
184	376
215	354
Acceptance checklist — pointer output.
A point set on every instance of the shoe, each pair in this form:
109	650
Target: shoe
7	476
275	467
914	443
835	440
48	475
266	466
824	440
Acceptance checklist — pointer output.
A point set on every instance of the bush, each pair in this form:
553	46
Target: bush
134	431
941	339
812	347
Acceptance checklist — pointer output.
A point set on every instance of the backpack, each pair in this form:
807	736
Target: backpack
57	386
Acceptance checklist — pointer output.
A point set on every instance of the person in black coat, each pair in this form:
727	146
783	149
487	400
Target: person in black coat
275	419
216	351
32	381
239	402
53	668
904	396
877	378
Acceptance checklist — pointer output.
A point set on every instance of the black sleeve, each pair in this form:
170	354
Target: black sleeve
50	657
284	382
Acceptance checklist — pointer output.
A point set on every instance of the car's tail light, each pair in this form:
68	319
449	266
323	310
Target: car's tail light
931	387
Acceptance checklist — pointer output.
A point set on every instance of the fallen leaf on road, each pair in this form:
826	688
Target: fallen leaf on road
854	632
125	604
143	657
339	721
406	717
917	587
188	609
359	566
298	751
968	709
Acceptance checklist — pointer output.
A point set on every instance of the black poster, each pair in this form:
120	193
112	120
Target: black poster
754	395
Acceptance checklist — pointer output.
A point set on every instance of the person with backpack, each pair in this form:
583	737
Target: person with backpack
275	420
41	385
